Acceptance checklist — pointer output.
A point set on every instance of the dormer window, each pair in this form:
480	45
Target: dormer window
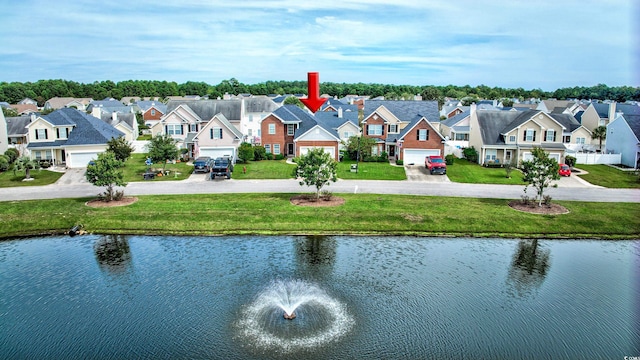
530	135
393	128
62	133
41	134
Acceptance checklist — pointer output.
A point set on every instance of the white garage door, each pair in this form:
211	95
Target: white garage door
416	156
80	159
328	149
218	152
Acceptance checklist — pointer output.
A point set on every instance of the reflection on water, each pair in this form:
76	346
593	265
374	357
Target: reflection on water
122	297
528	268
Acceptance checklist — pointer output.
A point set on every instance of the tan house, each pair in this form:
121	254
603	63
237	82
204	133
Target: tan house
505	136
217	138
69	102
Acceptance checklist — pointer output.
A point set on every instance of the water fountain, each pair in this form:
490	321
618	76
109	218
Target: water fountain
268	322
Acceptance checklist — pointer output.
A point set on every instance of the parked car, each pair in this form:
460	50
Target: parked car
222	166
564	170
202	164
435	164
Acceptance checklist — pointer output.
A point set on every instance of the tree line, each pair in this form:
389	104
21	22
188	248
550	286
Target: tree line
43	90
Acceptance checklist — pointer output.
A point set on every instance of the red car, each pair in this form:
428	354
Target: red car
564	170
435	164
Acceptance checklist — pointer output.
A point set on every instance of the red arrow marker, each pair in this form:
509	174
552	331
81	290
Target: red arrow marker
313	101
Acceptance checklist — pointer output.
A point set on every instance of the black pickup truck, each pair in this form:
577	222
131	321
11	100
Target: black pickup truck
222	166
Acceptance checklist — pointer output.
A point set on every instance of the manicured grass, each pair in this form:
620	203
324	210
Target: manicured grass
370	171
215	214
463	171
609	177
144	137
135	167
40	177
265	169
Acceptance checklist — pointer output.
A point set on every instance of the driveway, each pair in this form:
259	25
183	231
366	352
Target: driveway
418	173
73	177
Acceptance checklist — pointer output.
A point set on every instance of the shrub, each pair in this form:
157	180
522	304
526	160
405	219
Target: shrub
570	160
12	154
4	163
470	154
279	157
399	162
259	153
547	200
326	195
45	164
449	159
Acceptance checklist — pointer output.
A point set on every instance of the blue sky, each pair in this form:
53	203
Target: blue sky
530	44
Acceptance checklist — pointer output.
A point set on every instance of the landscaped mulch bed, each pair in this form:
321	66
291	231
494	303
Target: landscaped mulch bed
97	203
551	209
310	200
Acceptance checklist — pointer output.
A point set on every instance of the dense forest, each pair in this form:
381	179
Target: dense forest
43	90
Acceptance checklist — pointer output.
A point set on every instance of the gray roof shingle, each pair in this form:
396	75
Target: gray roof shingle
405	110
17	126
207	109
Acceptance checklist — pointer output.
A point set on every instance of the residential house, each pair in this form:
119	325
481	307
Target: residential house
184	119
125	123
278	129
152	111
456	131
129	100
24	109
387	121
16	134
344	123
26	101
217	138
68	136
505	136
558	106
254	109
108	106
623	135
601	114
69	102
451	108
4	138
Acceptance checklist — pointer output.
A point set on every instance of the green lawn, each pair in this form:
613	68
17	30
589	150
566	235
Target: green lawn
265	169
370	171
609	177
215	214
41	177
463	171
135	167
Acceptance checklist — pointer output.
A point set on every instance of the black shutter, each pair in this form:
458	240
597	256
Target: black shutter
382	128
220	133
211	132
36	134
366	131
534	135
46	134
524	138
418	134
545	135
554	136
166	129
58	133
427	134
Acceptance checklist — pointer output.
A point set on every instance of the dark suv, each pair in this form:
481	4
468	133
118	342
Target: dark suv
202	164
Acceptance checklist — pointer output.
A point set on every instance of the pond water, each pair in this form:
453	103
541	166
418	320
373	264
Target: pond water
122	297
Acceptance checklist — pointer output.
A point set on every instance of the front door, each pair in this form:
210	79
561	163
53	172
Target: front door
392	151
290	149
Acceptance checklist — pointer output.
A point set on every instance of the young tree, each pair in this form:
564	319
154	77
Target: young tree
105	171
599	133
12	154
292	100
316	168
25	164
539	172
162	148
245	152
363	144
120	147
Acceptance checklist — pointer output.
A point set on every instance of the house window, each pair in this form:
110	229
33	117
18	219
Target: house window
249	132
259	132
216	133
566	139
347	134
62	133
272	129
374	130
174	129
193	128
38	155
507	156
462	137
41	134
393	128
290	129
267	148
490	155
276	149
374	150
530	135
602	122
423	135
250	117
551	136
48	154
153	112
512	138
580	140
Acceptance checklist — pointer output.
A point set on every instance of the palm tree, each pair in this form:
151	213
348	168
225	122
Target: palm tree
25	164
599	133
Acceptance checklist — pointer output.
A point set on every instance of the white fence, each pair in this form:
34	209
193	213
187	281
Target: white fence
139	146
596	158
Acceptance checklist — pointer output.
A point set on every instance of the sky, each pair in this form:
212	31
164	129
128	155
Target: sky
545	44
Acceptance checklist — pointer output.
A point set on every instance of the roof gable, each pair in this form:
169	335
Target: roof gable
417	120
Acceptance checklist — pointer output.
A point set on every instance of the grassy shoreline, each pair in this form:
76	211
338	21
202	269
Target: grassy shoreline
362	214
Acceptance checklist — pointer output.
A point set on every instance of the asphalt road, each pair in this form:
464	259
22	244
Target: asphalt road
196	185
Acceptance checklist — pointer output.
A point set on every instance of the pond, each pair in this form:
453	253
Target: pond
164	297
